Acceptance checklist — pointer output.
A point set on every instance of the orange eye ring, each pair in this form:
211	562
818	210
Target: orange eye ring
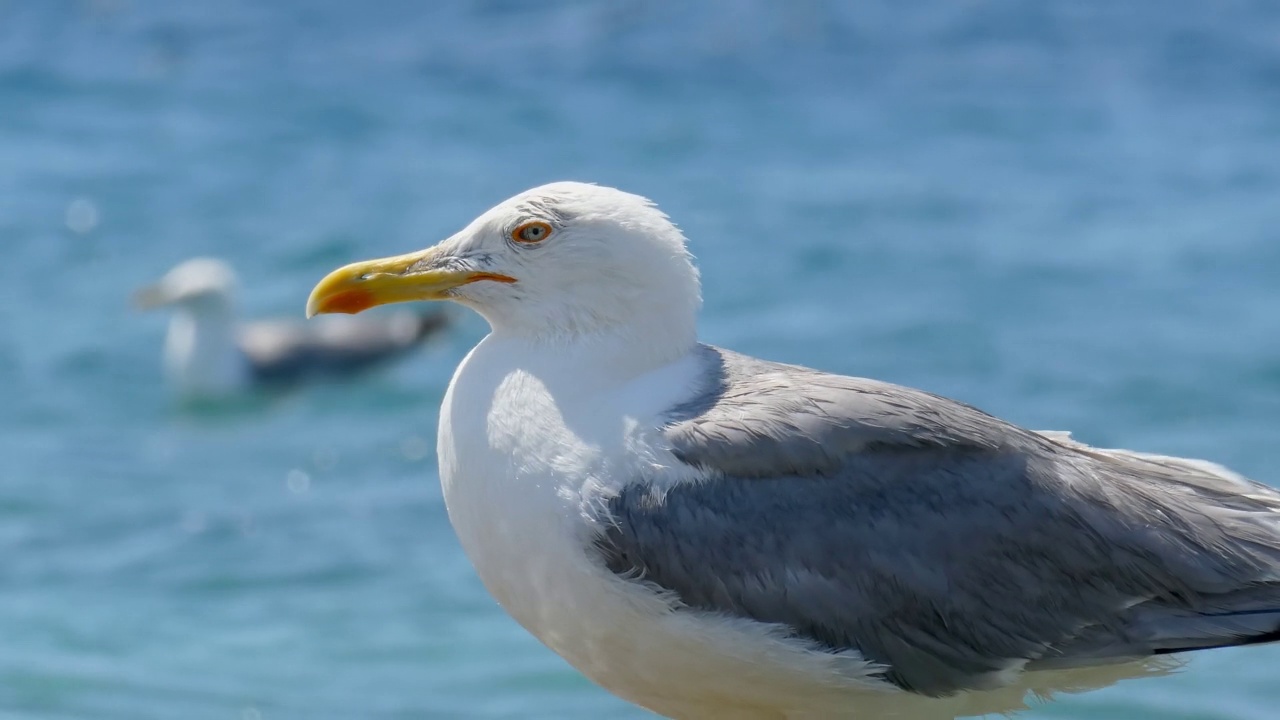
534	231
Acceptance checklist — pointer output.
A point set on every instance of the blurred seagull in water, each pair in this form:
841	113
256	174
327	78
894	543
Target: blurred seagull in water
712	535
209	354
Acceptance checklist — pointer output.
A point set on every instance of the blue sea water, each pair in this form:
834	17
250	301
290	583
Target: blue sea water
1065	213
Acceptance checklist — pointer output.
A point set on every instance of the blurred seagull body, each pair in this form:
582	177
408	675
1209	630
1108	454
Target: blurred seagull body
711	535
209	353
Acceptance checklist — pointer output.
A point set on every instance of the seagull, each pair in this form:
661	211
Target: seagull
712	535
208	354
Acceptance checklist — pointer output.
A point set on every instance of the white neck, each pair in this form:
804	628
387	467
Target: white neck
201	356
604	356
625	335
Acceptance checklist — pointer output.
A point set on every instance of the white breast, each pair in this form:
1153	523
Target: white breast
201	358
529	452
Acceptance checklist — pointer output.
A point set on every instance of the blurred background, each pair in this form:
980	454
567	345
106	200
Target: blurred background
1063	213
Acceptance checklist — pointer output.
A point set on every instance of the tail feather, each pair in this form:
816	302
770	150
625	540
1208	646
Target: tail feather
1224	630
1155	631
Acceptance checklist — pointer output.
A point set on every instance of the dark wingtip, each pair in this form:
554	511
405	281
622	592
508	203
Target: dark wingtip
1240	641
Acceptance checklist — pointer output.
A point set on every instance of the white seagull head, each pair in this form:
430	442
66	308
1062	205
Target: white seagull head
198	284
562	261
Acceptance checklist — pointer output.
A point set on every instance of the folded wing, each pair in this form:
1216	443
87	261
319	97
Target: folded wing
947	545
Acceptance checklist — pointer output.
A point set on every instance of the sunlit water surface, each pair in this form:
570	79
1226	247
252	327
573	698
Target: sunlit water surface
1065	216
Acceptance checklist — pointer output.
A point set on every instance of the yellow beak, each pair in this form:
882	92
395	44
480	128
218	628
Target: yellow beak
424	275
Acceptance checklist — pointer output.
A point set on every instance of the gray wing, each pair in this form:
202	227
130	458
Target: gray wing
286	352
939	541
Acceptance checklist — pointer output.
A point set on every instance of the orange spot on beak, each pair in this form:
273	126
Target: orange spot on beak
349	302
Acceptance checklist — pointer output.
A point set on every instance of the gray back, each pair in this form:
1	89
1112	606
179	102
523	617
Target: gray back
938	540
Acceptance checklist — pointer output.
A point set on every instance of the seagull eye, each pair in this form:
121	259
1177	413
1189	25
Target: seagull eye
531	232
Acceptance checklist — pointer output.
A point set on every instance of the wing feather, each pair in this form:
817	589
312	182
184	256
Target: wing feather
939	541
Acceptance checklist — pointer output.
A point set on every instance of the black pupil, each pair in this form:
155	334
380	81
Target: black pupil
533	232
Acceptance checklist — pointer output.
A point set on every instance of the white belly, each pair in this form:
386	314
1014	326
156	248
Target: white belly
201	359
630	640
512	460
